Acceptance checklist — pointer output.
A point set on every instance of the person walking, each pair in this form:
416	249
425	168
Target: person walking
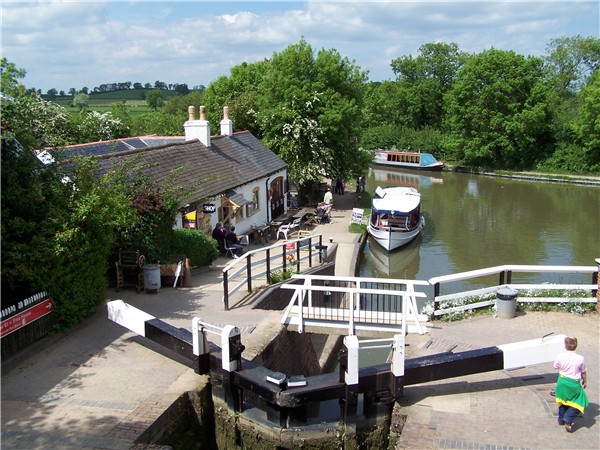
570	387
328	198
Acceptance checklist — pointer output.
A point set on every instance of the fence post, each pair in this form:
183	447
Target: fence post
596	280
225	292
268	265
349	402
436	293
320	246
249	272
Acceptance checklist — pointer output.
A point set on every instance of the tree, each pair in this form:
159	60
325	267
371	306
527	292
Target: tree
587	127
72	92
497	111
9	80
310	110
240	92
137	85
81	101
424	80
182	89
571	61
154	99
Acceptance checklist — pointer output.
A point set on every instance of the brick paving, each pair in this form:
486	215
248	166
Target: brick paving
100	386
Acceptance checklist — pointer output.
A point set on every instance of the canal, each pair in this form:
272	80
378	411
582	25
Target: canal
478	221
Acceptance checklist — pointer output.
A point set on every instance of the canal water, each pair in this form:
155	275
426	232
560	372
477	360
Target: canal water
477	221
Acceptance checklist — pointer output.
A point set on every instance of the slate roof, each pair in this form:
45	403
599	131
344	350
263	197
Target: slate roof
229	162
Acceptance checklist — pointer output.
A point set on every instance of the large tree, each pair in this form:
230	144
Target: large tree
571	60
497	111
424	80
240	93
310	112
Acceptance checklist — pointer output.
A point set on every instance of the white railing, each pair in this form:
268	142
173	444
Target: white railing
505	274
355	303
260	264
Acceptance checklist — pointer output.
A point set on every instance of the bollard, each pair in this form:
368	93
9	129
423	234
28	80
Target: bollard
506	302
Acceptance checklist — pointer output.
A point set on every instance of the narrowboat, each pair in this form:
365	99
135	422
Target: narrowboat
407	160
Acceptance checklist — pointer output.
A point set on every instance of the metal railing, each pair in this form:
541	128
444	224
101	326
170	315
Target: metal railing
355	303
262	263
505	275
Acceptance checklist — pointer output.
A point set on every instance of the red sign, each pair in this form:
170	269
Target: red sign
26	317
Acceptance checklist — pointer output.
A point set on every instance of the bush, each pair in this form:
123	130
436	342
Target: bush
195	245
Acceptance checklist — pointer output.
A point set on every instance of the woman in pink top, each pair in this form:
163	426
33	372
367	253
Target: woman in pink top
572	380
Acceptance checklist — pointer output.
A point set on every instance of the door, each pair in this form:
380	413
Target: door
277	198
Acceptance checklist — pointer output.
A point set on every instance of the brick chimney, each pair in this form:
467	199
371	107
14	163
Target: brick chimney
226	123
197	129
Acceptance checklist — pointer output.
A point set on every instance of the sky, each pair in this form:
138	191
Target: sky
72	44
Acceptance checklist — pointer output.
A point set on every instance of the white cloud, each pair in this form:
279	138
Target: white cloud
76	44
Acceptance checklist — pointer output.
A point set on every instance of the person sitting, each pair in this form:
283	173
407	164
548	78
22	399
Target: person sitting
219	235
233	240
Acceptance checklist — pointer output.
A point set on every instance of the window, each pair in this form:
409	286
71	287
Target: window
252	207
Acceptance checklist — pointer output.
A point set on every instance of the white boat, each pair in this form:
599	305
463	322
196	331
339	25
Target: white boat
396	217
407	160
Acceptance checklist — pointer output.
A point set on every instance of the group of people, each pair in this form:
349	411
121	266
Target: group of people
226	234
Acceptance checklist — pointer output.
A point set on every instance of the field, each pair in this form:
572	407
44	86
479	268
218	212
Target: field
134	100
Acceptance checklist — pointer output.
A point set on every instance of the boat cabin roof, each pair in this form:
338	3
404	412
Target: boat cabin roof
394	200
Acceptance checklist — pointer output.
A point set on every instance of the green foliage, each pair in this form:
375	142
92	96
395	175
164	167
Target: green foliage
570	60
154	98
497	111
81	101
28	192
10	74
159	123
357	228
309	112
195	245
240	93
424	81
279	276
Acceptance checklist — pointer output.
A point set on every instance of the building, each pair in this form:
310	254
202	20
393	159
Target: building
231	177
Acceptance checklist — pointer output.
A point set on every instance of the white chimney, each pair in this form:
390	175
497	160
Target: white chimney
226	123
197	129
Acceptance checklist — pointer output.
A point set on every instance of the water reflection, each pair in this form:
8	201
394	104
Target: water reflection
402	263
475	221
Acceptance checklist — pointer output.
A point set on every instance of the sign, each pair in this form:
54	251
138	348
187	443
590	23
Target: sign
26	317
209	208
189	220
357	215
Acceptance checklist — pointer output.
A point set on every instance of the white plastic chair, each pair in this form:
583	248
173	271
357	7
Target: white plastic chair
231	251
285	229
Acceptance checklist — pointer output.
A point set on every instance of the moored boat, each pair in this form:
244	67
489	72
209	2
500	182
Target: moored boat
396	217
407	160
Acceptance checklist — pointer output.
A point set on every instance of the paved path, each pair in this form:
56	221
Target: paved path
100	386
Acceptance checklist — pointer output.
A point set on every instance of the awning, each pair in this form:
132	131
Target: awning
236	199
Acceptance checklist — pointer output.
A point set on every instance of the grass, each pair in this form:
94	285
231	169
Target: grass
103	102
